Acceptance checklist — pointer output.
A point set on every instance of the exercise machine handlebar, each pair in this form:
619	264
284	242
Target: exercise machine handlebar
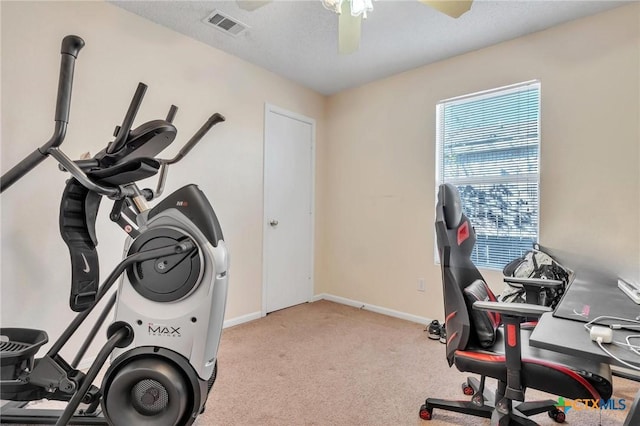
71	46
127	123
164	164
212	121
70	165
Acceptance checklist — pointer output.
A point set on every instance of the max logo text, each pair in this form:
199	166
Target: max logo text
163	330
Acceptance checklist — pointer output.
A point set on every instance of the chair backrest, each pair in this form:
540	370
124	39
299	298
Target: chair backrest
456	239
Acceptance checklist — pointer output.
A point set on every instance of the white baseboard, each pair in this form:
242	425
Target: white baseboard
373	308
242	319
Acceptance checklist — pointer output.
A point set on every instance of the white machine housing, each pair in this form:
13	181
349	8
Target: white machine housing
192	325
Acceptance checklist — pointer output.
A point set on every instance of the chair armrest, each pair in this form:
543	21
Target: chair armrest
534	282
520	310
512	314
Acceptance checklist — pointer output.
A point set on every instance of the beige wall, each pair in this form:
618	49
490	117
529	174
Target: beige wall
380	159
122	49
375	150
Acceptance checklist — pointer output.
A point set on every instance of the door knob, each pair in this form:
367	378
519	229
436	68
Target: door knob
273	222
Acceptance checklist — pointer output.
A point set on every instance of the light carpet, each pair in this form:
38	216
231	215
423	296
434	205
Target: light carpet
325	363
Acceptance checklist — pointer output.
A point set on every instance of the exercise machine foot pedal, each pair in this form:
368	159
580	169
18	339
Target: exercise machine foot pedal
18	346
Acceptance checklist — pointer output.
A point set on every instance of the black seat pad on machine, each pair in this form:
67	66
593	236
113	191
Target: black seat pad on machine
79	206
147	141
78	211
131	170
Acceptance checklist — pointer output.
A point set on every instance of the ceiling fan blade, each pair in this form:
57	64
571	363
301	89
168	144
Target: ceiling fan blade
252	4
348	30
453	8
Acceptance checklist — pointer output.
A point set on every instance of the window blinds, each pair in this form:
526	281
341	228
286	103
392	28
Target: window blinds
488	146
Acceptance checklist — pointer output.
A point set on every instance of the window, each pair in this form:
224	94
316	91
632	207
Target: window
488	146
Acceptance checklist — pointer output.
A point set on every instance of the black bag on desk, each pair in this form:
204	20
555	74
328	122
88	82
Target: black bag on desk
535	264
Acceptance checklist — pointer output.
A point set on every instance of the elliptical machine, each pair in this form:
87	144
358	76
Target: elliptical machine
172	291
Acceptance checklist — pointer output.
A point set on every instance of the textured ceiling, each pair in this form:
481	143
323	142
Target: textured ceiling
298	39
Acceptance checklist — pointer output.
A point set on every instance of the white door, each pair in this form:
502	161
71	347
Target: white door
288	209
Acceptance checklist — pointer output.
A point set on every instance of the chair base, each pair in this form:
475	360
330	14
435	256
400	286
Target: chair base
483	404
519	415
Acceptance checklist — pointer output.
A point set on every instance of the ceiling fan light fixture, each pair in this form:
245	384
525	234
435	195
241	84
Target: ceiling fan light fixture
358	7
361	7
333	5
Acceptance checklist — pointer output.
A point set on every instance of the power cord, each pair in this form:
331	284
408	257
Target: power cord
632	347
604	334
605	350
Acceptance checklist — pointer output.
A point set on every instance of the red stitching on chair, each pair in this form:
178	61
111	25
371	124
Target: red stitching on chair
455	333
463	232
451	315
584	382
482	356
562	369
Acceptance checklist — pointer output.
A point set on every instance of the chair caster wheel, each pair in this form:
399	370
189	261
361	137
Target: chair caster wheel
558	416
426	413
466	389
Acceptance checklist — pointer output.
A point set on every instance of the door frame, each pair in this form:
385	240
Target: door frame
268	109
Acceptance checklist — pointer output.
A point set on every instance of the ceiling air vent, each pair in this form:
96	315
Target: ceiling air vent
225	23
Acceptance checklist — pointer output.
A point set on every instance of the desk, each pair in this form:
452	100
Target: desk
569	336
593	296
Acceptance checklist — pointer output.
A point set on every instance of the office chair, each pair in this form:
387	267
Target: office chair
486	338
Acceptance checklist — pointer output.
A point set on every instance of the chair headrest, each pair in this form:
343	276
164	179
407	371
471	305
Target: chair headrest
452	206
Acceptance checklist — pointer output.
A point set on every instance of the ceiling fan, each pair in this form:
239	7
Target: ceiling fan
351	12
